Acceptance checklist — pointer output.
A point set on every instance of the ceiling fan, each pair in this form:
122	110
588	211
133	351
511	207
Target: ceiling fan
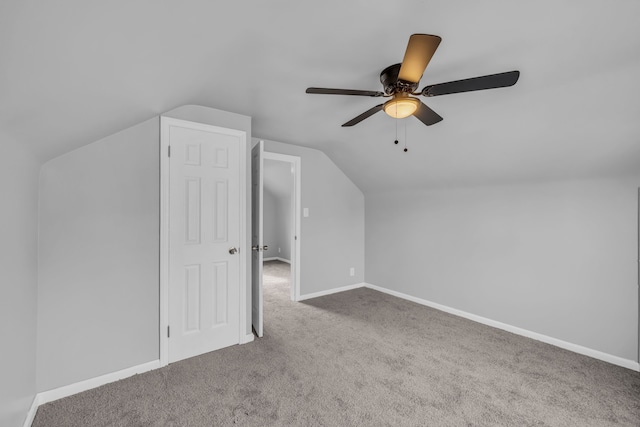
400	82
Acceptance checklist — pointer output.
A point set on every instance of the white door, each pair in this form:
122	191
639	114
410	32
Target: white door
256	237
204	238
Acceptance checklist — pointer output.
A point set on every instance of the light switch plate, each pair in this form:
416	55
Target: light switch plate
305	212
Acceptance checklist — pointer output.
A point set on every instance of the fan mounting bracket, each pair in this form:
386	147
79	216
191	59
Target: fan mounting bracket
391	83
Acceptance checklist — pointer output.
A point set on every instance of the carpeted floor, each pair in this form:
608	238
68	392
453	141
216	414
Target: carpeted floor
363	358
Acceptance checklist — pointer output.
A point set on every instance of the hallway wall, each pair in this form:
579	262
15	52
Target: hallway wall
332	236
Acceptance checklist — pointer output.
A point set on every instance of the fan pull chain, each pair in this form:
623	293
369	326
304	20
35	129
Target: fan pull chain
396	141
405	137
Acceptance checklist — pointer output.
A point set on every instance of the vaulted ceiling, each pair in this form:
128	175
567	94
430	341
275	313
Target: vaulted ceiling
74	71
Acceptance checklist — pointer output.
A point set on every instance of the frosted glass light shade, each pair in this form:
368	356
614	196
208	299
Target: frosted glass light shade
401	107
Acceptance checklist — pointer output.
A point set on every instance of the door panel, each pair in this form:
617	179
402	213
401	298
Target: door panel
204	212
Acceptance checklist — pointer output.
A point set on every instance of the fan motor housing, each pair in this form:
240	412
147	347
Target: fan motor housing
391	84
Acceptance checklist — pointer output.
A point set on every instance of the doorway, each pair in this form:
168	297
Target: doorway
281	214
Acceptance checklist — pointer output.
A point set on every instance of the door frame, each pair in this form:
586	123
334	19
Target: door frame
257	238
165	123
295	163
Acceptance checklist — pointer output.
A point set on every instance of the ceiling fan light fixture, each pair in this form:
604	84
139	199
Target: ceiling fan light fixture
401	106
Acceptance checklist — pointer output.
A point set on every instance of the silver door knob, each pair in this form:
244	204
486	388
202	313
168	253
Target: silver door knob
233	251
265	247
255	248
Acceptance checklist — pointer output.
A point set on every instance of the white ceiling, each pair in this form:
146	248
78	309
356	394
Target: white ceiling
72	72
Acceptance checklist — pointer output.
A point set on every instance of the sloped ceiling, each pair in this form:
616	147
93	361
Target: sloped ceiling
75	71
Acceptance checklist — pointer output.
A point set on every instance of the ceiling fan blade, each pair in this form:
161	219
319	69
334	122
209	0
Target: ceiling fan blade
327	91
419	51
361	117
426	115
491	81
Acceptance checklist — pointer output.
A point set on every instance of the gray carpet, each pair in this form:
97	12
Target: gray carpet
363	358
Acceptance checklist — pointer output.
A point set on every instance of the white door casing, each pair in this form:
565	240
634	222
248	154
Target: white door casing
202	210
257	243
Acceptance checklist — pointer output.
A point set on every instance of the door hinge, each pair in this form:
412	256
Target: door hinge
295	237
169	151
168	331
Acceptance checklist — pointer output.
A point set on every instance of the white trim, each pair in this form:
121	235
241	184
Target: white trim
75	388
596	354
247	338
277	258
295	253
245	238
79	387
165	123
164	242
295	161
331	291
31	415
65	391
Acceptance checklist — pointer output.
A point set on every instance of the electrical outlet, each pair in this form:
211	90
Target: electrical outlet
278	250
352	272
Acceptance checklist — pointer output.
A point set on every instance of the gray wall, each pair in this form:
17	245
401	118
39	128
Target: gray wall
98	293
278	209
18	280
332	237
558	259
270	225
211	116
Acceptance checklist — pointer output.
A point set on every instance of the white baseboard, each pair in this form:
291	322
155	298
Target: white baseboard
71	389
276	258
31	415
596	354
65	391
68	390
330	291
